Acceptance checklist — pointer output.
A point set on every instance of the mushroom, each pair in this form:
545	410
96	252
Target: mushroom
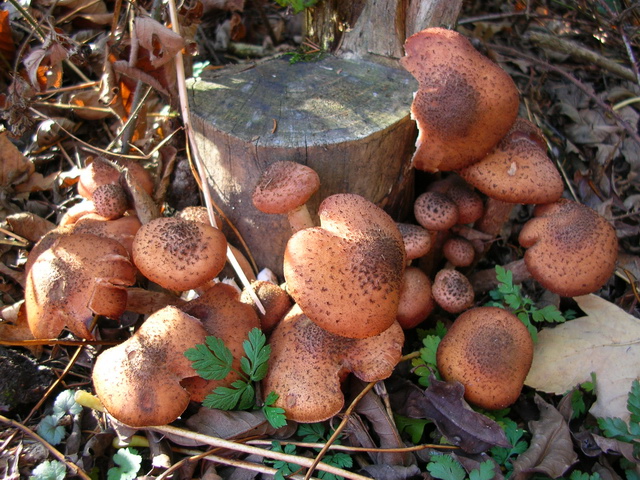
109	202
308	364
489	350
458	251
571	250
179	254
416	239
452	291
223	316
285	187
139	381
464	104
274	299
416	301
469	203
346	275
435	211
122	229
76	277
101	171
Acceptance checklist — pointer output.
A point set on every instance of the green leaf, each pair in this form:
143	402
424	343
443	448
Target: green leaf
296	5
340	460
445	467
504	276
211	361
49	470
615	428
284	468
257	355
49	429
414	427
127	463
65	403
485	471
578	475
428	352
633	402
228	398
551	314
312	432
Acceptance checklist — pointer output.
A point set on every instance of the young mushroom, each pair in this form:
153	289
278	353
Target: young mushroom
76	277
285	187
308	364
416	300
435	211
139	381
464	104
179	254
346	275
452	291
275	300
489	350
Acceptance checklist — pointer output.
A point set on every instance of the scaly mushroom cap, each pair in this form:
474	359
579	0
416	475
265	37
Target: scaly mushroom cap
122	229
571	250
78	276
346	275
518	170
489	351
435	211
452	291
110	200
464	105
307	365
459	251
284	186
274	299
138	381
179	254
100	172
223	316
416	301
416	238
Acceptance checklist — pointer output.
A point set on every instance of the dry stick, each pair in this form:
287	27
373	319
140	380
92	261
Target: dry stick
240	447
186	120
542	64
54	341
55	452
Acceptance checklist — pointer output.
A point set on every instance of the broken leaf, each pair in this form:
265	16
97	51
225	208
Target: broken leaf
606	341
551	449
14	167
161	42
443	403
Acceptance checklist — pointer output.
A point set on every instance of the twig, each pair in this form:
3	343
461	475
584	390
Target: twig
54	451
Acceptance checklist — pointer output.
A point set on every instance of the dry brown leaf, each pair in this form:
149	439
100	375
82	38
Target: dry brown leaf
551	449
44	66
7	47
29	225
14	167
161	42
606	341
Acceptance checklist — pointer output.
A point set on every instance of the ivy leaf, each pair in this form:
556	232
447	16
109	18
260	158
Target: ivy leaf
127	463
49	429
65	403
211	361
49	470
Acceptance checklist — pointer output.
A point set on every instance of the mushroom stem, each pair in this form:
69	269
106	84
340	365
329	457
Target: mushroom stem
495	216
300	218
485	280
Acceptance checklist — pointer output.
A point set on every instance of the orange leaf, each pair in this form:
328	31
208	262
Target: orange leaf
7	47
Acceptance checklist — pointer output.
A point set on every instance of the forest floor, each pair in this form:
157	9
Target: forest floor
69	91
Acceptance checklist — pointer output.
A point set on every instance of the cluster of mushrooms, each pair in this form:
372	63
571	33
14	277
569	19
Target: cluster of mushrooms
353	283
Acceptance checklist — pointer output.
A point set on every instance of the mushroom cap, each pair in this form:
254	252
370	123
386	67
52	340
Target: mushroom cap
469	203
99	172
464	105
138	381
435	211
197	214
452	291
518	170
274	299
489	351
77	276
416	301
223	316
346	275
285	186
179	254
307	365
571	249
416	239
122	229
459	251
110	201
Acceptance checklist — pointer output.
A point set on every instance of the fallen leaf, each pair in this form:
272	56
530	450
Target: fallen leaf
234	424
29	225
473	432
14	167
551	449
7	47
606	341
161	42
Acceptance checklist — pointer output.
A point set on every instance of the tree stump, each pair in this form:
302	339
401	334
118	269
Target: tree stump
347	117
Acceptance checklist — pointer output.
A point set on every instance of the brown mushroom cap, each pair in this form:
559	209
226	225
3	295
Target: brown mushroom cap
459	251
110	201
518	170
307	365
99	172
571	250
452	291
464	105
122	229
346	275
416	239
274	299
489	351
77	276
179	254
435	211
285	186
223	316
138	381
416	301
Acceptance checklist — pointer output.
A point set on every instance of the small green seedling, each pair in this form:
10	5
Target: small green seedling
445	467
49	470
127	466
618	429
297	5
509	296
49	427
425	365
213	361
